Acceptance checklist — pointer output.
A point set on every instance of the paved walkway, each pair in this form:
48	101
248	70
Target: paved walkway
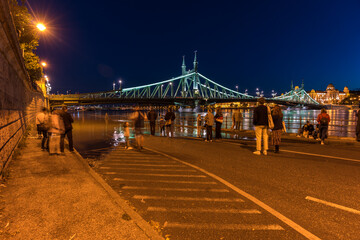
60	197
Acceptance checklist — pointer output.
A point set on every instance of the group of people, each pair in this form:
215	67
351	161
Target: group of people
52	127
265	118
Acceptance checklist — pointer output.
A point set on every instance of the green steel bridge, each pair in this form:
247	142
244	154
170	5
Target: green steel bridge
190	88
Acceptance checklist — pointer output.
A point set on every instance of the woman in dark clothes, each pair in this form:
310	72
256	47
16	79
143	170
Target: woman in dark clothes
277	117
218	121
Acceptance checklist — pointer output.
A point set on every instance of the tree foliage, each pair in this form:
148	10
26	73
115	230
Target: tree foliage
28	38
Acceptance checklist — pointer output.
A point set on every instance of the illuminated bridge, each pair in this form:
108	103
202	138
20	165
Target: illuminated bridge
191	88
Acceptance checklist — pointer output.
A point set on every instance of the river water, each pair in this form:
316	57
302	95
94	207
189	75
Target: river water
97	132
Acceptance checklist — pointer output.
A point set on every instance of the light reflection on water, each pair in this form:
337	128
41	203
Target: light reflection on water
95	133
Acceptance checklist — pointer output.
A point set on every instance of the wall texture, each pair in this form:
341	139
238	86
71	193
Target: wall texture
20	100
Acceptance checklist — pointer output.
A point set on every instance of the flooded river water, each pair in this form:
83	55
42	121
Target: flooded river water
97	132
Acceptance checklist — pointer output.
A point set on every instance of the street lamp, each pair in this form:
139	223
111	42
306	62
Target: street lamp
257	92
120	84
41	27
237	88
43	64
113	86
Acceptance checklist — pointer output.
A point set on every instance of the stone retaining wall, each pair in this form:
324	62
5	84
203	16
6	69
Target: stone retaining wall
20	100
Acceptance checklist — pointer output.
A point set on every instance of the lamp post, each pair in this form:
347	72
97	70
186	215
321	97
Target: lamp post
171	87
113	86
161	92
257	92
41	27
120	84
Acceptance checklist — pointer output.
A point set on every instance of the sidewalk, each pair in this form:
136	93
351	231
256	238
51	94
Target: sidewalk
60	197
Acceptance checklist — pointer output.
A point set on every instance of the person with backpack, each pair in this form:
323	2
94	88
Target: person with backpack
323	119
152	116
261	123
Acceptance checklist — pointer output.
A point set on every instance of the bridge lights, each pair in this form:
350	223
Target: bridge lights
273	93
262	94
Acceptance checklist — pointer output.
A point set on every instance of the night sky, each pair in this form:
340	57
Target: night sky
266	44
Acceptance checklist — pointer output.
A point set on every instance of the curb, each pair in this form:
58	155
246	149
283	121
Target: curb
137	219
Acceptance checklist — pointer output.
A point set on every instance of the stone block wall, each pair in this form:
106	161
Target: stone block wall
20	100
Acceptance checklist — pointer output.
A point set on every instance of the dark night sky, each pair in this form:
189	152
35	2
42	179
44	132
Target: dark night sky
91	43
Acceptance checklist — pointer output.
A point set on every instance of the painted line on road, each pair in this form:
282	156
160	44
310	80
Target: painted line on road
177	189
320	155
162	181
251	227
333	205
151	169
145	165
159	175
142	197
281	217
136	161
310	154
203	210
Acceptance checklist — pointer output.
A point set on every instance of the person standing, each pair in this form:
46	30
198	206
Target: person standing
358	126
42	124
218	122
127	136
162	126
169	122
260	121
198	123
237	119
152	116
209	122
57	128
138	118
68	120
323	119
277	117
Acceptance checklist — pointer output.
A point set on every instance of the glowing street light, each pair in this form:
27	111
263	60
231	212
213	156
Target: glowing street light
120	84
114	86
41	27
237	88
43	64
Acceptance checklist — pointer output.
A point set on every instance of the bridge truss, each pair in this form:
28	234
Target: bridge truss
297	95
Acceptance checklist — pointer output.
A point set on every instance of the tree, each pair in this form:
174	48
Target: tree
28	38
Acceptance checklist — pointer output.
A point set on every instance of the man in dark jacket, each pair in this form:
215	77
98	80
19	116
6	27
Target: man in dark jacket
260	121
152	116
68	129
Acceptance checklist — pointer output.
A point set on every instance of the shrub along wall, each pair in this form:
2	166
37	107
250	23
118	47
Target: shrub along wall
20	100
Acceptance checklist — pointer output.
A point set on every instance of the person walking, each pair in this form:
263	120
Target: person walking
152	116
42	124
138	118
169	122
68	120
323	119
198	124
218	122
277	117
127	136
209	122
56	129
237	119
162	126
260	121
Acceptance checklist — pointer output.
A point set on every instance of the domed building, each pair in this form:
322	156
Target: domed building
330	96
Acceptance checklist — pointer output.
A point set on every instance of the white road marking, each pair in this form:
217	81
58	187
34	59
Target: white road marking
284	219
162	181
159	175
311	154
333	205
137	161
151	169
189	199
320	155
251	227
210	210
177	189
145	165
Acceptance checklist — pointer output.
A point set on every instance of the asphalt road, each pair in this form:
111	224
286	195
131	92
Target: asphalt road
229	193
